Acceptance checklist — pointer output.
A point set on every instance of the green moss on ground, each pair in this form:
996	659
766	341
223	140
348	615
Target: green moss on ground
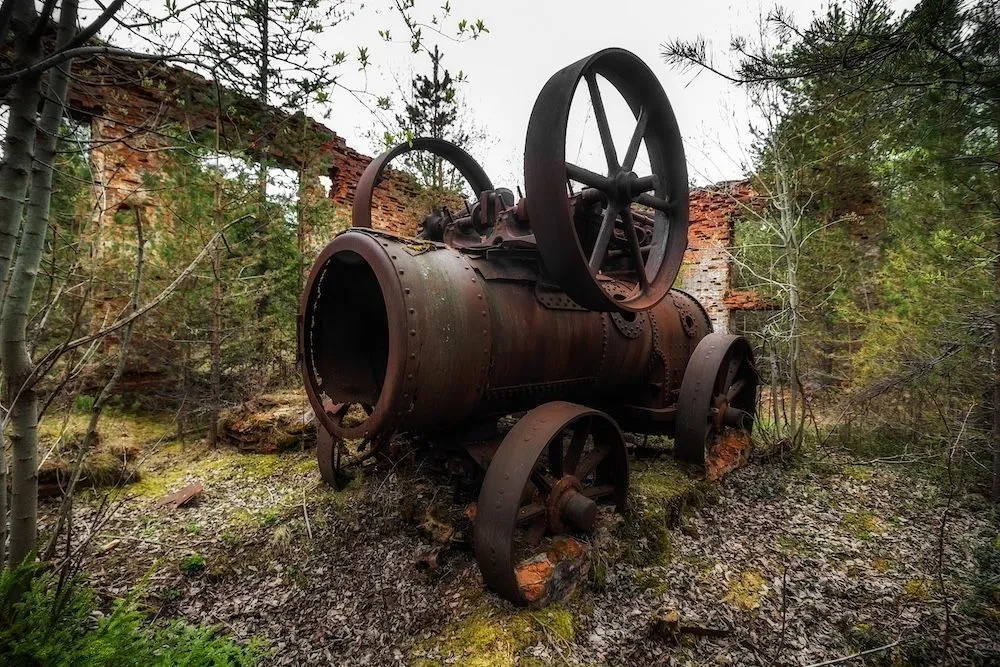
659	493
171	468
917	590
158	484
746	592
862	525
651	579
493	638
859	473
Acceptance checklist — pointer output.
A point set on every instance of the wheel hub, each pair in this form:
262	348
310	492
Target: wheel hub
622	187
568	507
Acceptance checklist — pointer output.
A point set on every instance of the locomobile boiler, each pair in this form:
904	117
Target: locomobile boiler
557	303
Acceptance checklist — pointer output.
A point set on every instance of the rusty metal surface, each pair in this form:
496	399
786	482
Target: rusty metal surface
422	340
557	462
398	326
576	260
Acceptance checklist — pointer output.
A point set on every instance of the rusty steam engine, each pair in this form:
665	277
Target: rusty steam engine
558	303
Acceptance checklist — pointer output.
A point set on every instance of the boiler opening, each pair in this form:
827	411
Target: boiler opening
349	339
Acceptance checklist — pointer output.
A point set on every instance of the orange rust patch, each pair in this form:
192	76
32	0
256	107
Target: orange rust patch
730	451
553	575
565	548
533	577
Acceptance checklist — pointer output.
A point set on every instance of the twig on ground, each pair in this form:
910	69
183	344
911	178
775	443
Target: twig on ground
941	535
860	654
305	515
784	616
552	641
198	543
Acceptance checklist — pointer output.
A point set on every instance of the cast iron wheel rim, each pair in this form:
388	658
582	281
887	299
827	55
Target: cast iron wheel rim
512	501
546	173
718	392
361	213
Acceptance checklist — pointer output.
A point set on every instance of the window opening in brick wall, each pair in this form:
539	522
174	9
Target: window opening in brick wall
327	183
282	184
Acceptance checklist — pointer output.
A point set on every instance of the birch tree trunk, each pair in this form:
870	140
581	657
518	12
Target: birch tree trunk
19	142
790	241
3	493
790	428
995	352
17	365
215	352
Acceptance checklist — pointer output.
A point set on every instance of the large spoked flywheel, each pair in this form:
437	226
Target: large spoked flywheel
640	233
715	409
552	470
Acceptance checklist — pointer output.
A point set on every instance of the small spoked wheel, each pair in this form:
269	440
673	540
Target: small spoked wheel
334	453
550	473
648	255
361	213
715	409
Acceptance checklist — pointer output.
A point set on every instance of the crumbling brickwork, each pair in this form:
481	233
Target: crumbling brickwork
135	110
707	265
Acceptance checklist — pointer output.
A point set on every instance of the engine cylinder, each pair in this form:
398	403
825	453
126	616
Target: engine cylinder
426	337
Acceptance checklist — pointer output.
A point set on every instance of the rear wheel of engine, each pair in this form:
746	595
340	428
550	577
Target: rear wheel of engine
550	473
715	409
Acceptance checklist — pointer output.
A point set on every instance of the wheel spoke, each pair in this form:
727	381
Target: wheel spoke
576	445
589	463
556	458
529	512
527	493
599	491
636	251
654	202
735	389
538	479
602	123
603	238
535	532
644	184
731	370
633	145
589	178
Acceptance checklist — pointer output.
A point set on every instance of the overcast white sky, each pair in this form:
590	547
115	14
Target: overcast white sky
530	40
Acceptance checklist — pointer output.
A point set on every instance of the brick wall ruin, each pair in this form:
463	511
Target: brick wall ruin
131	106
706	272
135	110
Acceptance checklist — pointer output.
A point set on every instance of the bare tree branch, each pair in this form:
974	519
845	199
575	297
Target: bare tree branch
55	353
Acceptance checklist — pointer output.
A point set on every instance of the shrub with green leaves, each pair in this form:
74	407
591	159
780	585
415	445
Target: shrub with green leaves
192	564
43	622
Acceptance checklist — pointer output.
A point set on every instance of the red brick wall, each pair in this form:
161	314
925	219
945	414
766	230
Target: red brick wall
707	263
128	103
